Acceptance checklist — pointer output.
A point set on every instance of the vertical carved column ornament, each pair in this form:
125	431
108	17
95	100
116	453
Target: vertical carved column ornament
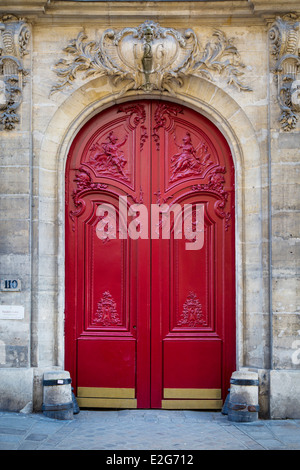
284	35
14	39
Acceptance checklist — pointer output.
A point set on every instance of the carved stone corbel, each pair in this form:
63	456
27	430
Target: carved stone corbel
150	58
14	38
284	38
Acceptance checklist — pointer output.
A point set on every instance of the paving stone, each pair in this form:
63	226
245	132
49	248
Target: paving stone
8	446
145	430
28	445
36	437
11	430
9	438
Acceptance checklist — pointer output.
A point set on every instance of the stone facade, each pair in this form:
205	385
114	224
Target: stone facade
250	92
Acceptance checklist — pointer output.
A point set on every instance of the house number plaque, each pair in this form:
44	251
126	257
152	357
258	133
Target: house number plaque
11	285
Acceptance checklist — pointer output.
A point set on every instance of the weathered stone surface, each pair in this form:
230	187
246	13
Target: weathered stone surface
15	388
285	398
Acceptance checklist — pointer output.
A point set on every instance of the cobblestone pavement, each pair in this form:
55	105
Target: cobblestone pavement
145	430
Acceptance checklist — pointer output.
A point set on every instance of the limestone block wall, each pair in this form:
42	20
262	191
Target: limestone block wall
15	212
266	156
284	217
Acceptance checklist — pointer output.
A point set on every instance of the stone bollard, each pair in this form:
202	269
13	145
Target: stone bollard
76	408
225	406
243	401
57	395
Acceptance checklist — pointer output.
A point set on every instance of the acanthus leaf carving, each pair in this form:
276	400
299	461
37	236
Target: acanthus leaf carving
139	199
284	35
161	200
14	39
150	57
136	115
163	117
220	55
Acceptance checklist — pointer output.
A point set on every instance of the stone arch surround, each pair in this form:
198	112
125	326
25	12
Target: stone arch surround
213	102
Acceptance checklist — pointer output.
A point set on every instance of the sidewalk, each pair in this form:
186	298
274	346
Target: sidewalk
145	429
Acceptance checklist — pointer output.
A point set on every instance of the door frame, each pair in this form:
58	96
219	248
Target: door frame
207	99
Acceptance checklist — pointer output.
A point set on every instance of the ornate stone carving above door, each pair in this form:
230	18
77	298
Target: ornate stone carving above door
14	38
150	57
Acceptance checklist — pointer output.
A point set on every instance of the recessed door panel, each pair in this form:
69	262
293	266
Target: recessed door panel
112	362
192	290
192	364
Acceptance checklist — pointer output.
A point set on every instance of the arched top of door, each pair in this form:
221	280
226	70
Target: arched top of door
197	93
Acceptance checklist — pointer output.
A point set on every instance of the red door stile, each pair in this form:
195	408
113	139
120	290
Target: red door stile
143	271
150	322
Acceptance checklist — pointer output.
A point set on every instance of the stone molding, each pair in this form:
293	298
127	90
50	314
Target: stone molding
14	39
284	36
256	11
205	97
150	58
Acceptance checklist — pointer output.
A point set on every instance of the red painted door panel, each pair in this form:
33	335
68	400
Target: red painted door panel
150	322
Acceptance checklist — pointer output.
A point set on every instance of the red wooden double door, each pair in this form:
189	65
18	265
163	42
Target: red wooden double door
150	318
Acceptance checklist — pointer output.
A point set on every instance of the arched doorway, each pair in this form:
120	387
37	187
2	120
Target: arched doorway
150	315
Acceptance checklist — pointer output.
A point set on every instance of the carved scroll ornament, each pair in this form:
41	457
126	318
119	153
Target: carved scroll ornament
216	186
85	184
284	36
150	57
14	38
108	158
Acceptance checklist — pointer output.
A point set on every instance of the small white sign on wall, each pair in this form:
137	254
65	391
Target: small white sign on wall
11	312
12	285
